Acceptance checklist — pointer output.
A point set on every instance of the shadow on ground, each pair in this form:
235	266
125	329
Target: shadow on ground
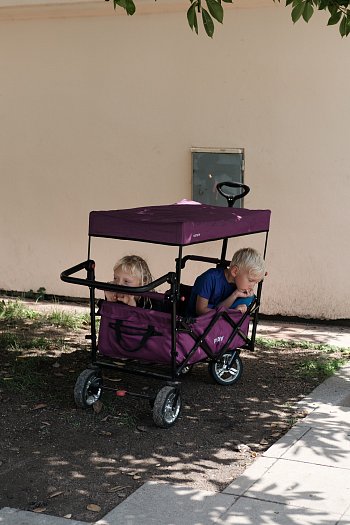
61	459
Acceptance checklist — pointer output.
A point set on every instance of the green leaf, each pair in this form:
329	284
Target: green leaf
231	1
216	10
323	4
196	24
298	11
130	7
347	31
120	3
192	17
288	2
342	27
334	19
308	12
332	8
208	23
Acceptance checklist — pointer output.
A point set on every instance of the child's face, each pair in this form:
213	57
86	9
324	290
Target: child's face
124	278
245	281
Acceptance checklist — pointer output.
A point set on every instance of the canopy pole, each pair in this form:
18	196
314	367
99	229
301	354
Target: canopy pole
223	253
256	313
178	272
89	247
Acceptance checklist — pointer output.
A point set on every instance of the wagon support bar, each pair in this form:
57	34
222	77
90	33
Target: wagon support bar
128	368
201	258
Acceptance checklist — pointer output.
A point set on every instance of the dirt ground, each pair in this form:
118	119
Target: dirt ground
65	461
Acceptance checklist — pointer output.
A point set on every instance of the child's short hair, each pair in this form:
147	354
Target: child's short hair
250	260
135	265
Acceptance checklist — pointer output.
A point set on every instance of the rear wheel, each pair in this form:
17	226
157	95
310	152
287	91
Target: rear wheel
227	370
166	407
88	388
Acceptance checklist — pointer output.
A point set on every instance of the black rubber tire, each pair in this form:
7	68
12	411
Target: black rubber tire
88	388
221	374
164	413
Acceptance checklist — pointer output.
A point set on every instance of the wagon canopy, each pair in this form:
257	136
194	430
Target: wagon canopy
180	224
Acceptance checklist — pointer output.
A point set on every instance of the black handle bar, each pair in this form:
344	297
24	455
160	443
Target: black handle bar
89	265
231	199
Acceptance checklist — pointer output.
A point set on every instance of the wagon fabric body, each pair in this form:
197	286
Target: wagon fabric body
129	332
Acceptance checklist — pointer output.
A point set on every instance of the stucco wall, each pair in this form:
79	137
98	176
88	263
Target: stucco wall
100	111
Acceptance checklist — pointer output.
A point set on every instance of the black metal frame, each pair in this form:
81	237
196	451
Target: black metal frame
173	297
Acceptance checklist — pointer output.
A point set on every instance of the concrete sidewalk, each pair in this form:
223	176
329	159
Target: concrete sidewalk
303	479
315	333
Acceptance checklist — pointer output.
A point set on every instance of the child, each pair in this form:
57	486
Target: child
230	287
131	270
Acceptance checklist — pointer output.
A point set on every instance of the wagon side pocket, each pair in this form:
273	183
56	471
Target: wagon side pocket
132	338
131	332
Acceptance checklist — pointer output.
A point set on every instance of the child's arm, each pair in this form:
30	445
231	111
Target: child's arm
234	296
202	305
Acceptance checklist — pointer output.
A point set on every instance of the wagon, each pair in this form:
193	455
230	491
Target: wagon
131	338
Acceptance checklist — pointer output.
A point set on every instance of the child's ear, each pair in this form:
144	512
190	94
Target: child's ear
234	271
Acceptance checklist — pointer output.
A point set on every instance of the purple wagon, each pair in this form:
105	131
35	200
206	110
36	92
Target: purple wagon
131	338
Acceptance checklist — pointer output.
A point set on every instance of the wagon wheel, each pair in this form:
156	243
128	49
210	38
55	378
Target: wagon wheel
88	388
166	407
227	370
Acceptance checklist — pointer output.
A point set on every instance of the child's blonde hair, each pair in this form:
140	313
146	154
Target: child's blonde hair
249	260
135	265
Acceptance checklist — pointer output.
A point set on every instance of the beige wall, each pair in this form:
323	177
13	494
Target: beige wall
100	111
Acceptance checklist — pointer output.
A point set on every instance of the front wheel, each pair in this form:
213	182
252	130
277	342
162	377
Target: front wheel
88	388
227	370
166	407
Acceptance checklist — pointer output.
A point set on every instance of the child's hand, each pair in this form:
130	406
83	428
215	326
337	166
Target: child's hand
114	297
241	308
244	293
110	296
126	299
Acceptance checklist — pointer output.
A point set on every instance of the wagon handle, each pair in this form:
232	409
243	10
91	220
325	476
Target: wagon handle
231	199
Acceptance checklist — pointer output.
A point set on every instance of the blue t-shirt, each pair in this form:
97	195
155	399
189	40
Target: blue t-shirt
211	285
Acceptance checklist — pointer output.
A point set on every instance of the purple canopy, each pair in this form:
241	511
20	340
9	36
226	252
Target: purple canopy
180	224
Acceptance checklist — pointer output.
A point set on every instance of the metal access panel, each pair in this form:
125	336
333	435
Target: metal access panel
211	166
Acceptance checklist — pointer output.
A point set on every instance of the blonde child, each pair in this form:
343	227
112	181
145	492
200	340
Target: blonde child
131	270
231	287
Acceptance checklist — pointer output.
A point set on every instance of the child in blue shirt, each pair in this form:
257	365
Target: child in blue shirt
231	287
